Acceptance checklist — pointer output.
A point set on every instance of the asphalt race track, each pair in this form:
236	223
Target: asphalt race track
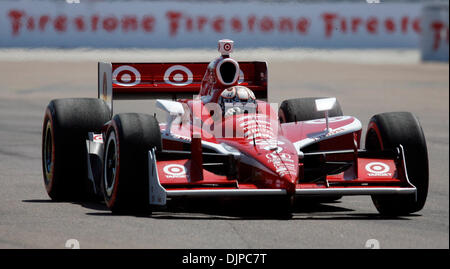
29	219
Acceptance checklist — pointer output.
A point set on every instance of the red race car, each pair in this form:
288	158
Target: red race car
224	140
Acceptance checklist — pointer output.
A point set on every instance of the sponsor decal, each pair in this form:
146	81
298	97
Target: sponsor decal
378	169
174	171
126	75
282	162
330	133
169	23
279	159
257	127
249	134
98	138
178	75
332	23
263	143
227	46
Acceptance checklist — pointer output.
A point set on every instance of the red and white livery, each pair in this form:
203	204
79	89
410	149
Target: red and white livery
221	138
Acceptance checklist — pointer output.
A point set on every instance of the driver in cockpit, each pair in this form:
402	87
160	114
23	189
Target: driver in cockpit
237	100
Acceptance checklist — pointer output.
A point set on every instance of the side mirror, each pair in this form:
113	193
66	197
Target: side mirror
325	104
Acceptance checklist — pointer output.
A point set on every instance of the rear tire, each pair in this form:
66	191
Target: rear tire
125	170
389	130
64	153
302	109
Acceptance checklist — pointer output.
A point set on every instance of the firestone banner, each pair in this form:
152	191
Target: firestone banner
200	24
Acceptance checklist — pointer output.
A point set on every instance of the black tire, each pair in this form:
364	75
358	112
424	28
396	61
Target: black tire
280	207
389	130
64	154
287	207
302	109
125	171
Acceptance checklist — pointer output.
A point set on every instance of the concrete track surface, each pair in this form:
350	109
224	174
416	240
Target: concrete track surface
29	219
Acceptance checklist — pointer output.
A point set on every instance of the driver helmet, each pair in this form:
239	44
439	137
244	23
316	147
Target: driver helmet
237	100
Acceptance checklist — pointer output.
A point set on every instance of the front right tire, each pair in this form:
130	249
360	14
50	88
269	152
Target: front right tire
387	131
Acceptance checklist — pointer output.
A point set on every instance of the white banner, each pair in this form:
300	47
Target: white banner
201	24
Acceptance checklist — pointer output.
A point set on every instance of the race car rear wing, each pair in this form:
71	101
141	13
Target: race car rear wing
168	80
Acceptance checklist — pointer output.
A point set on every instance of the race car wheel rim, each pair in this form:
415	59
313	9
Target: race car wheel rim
48	153
110	165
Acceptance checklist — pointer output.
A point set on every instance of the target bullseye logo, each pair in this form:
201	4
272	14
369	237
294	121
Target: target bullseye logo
178	75
174	170
378	169
227	46
126	75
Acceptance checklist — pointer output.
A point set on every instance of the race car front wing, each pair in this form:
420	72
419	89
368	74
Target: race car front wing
159	194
